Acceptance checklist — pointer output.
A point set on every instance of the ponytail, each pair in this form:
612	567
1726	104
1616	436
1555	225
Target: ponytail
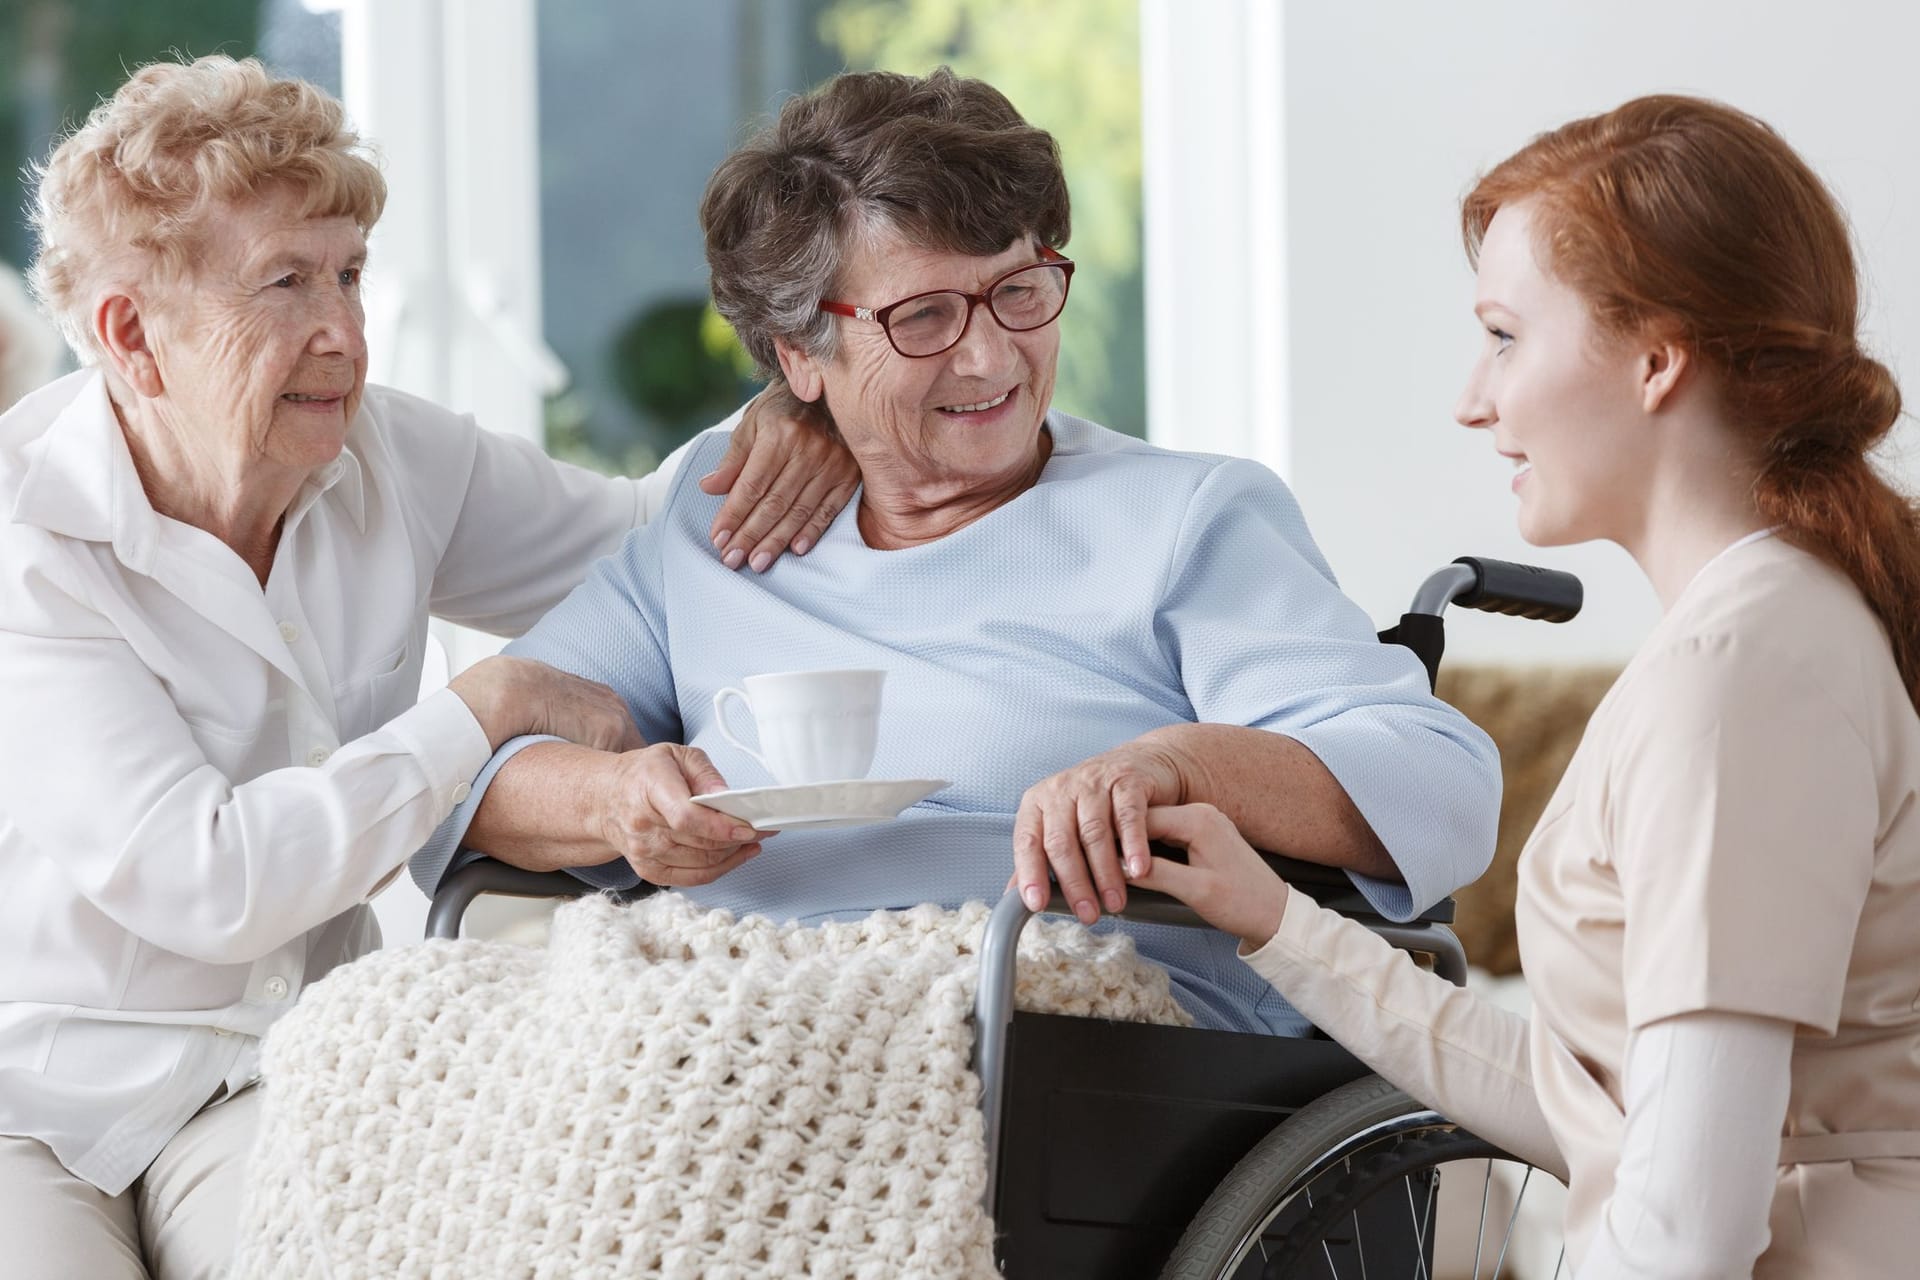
1818	485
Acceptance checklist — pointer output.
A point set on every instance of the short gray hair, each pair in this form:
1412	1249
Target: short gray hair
943	160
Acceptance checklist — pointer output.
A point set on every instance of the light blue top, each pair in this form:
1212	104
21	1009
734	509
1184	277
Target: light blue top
1130	588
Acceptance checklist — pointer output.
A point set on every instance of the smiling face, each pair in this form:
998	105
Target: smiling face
261	351
1564	401
963	421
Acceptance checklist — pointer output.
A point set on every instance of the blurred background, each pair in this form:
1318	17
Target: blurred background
1264	194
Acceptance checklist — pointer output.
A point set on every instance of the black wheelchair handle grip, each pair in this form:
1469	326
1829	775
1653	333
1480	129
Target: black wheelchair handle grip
1521	590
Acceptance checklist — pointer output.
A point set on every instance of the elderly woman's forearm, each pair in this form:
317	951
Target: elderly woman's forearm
543	809
1277	792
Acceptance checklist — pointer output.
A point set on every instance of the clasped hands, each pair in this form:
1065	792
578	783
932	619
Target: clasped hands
1091	826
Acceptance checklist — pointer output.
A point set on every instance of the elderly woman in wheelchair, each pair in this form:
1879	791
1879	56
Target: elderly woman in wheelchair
1067	626
1075	626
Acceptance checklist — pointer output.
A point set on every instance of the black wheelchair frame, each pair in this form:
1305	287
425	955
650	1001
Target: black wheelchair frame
1122	1150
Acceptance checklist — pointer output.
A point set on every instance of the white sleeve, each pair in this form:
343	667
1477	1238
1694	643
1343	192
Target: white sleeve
112	787
527	527
1457	1053
1706	1097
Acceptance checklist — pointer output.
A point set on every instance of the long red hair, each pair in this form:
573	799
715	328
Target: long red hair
1682	212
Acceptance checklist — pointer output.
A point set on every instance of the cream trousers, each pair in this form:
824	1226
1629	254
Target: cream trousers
176	1223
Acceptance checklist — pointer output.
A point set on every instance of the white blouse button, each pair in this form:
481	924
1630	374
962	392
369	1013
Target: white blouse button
319	756
276	988
461	792
289	632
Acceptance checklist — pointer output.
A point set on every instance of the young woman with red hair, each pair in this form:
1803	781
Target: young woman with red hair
1719	911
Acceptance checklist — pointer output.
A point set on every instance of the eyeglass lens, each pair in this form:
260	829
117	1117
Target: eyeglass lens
932	322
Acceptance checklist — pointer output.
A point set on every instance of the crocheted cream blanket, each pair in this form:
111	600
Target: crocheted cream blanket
661	1091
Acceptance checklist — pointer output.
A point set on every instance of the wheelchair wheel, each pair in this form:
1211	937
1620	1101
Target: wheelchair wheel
1348	1186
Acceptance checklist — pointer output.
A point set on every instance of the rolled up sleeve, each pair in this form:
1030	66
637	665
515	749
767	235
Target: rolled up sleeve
1262	636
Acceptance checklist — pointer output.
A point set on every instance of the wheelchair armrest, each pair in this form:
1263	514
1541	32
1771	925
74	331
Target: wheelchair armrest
458	890
1331	887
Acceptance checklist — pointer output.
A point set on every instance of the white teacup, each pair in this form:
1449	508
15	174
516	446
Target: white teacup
815	726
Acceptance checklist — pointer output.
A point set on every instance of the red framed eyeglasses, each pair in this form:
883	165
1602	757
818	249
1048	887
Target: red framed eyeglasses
926	324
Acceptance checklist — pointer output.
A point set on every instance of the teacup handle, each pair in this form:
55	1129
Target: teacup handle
720	718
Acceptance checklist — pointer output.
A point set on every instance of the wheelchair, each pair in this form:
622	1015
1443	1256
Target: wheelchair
1119	1151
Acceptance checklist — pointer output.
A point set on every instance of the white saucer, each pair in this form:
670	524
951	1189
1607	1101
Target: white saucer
819	805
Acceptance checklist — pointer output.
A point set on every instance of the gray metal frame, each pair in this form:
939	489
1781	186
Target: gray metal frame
1442	587
461	887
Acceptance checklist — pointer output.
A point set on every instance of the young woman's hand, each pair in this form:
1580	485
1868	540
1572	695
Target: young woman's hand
1223	878
786	476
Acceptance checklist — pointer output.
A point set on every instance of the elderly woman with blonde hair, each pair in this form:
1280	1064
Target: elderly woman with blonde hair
223	547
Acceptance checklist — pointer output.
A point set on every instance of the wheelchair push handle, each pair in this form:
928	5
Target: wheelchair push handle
1520	590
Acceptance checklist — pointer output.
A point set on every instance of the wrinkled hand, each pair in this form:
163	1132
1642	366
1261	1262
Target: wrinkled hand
512	696
1082	822
1223	879
652	822
786	476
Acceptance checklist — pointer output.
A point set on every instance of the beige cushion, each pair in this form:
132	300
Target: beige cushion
1535	715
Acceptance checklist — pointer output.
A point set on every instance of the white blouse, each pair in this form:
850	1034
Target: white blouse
201	781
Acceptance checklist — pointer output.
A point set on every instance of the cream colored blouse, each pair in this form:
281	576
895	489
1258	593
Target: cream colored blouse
1738	832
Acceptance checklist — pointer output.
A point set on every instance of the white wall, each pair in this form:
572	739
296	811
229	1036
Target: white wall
1391	107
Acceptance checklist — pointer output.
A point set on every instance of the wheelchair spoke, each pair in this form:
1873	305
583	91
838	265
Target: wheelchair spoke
1326	1250
1421	1221
1512	1218
1328	1195
1486	1193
